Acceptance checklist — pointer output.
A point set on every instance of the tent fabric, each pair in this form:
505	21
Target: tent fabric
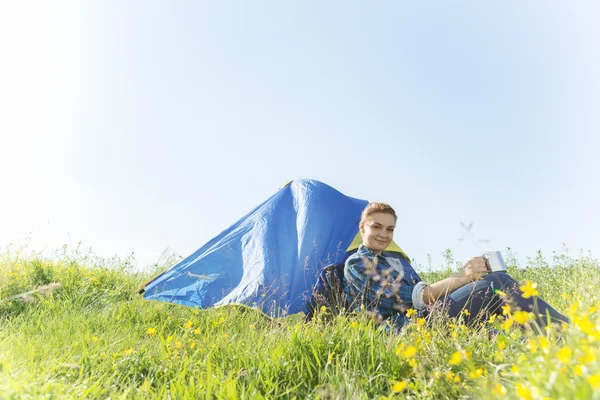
271	257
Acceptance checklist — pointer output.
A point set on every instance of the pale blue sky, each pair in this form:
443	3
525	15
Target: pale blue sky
140	125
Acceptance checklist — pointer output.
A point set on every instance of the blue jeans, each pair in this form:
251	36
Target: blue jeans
482	301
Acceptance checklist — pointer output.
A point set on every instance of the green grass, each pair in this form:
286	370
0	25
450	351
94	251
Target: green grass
91	338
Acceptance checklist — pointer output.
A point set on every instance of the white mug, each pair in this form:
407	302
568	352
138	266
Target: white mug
495	261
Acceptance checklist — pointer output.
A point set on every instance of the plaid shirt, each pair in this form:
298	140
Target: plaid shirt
382	284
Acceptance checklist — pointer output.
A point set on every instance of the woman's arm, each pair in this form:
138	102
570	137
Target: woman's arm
474	270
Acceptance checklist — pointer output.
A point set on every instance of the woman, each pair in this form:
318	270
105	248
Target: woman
388	286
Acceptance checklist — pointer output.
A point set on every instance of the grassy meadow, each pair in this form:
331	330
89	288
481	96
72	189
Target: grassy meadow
92	338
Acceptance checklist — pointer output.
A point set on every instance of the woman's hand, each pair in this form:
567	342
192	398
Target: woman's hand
474	270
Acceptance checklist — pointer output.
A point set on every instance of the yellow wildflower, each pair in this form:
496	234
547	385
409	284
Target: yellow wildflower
151	331
354	325
192	345
411	312
456	358
221	320
409	352
585	325
532	345
476	374
589	355
178	344
594	381
501	344
169	338
466	312
400	349
492	319
544	344
515	370
506	309
128	351
574	307
197	331
564	355
412	362
524	392
323	309
521	317
578	370
457	379
507	324
188	324
94	339
399	386
529	289
421	322
499	390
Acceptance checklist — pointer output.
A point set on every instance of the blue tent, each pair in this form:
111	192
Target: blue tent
271	257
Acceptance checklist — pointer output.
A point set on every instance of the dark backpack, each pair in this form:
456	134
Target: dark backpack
328	291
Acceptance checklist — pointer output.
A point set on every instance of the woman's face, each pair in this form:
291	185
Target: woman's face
378	231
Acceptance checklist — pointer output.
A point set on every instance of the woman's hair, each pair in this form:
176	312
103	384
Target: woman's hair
373	208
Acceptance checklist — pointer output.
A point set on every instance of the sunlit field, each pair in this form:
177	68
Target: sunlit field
92	337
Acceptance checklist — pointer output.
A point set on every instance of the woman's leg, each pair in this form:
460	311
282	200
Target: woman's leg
476	301
515	299
480	299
